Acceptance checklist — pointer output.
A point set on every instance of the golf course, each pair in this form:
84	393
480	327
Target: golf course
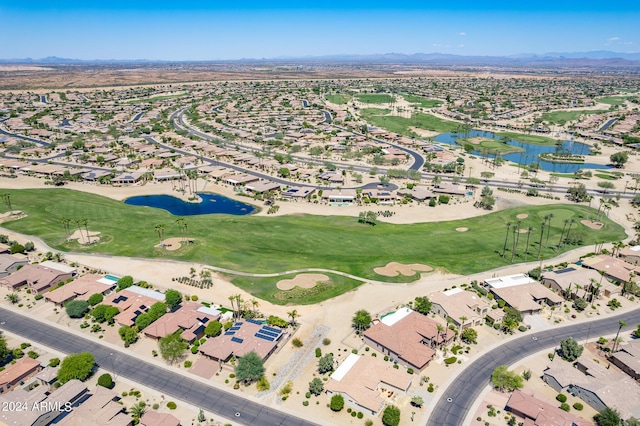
262	244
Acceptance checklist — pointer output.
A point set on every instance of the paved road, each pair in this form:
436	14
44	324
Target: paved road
467	387
167	382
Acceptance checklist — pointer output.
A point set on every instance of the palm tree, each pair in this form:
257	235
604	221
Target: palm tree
516	238
506	238
526	249
65	222
85	223
13	298
541	234
254	305
137	410
180	222
7	200
548	219
186	231
159	228
562	233
293	314
78	224
231	299
440	329
571	222
615	341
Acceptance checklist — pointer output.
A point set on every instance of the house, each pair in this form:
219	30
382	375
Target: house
574	283
99	409
240	179
39	277
81	288
9	263
455	304
243	337
262	186
132	302
128	178
630	255
363	381
408	337
381	196
50	405
627	358
417	193
153	418
298	192
15	374
522	293
540	412
595	385
617	270
341	196
47	376
191	318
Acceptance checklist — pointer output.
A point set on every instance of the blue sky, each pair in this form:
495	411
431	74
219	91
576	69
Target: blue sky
214	29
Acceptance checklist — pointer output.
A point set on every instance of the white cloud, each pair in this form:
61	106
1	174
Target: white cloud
610	39
461	45
462	34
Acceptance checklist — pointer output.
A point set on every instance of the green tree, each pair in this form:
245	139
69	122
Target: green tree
570	349
125	282
96	298
337	402
417	401
361	320
619	159
578	193
13	298
316	386
128	334
580	304
391	416
172	347
76	366
105	381
608	417
102	313
76	308
325	363
469	335
422	304
4	349
250	368
172	298
213	329
137	410
505	380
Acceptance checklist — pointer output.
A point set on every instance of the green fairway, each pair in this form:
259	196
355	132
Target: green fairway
262	244
614	100
491	145
266	288
530	139
561	117
423	102
375	98
401	125
338	99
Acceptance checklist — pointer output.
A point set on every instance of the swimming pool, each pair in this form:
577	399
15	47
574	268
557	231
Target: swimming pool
111	278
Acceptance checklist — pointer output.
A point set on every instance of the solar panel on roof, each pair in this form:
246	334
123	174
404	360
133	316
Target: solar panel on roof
269	333
275	330
252	321
562	271
265	337
229	333
234	328
237	324
237	339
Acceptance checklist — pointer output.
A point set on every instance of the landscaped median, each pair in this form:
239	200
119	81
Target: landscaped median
259	244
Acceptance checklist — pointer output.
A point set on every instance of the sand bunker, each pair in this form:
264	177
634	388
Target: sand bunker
591	224
394	268
173	244
462	229
522	216
302	280
85	237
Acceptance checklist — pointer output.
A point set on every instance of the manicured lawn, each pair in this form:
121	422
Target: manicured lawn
276	244
266	288
532	139
614	100
401	125
375	98
606	176
338	99
423	102
561	117
491	145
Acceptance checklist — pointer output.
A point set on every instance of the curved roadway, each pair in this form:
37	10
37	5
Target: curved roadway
456	400
138	370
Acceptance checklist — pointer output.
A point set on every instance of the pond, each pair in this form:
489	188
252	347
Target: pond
531	152
211	204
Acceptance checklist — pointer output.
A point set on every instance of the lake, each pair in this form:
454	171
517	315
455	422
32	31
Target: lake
211	204
531	152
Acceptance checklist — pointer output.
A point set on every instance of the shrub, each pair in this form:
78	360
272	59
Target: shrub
564	406
297	343
155	406
307	395
105	381
54	362
95	299
171	405
360	415
561	397
194	349
38	296
337	402
305	403
326	341
578	406
450	360
318	352
188	364
410	370
77	308
522	328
